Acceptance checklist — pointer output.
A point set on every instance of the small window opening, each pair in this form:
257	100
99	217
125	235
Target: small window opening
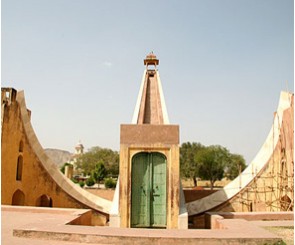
19	168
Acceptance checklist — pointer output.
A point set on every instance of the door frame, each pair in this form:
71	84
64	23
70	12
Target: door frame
150	166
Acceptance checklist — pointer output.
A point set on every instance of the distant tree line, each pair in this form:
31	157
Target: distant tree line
100	162
209	163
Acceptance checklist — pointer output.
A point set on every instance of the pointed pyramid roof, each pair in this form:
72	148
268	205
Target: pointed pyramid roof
150	107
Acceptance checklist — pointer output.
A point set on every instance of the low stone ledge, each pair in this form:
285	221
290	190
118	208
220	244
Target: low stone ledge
251	216
228	231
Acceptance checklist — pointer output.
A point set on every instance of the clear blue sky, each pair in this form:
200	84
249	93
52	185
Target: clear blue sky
80	63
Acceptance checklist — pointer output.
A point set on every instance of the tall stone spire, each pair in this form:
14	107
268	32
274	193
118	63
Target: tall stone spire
150	107
149	153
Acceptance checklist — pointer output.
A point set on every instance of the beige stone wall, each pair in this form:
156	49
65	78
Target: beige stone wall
19	144
146	139
273	188
172	155
35	181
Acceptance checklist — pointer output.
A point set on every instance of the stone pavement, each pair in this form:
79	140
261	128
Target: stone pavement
11	220
32	226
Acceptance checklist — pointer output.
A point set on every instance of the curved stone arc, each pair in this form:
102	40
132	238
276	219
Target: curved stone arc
254	168
140	94
163	103
82	196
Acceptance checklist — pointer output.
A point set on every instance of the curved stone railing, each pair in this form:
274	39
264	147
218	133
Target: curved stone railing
254	168
82	196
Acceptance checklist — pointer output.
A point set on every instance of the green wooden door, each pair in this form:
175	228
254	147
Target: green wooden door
148	190
140	197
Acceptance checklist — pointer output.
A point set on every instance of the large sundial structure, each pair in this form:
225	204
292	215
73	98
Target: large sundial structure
149	193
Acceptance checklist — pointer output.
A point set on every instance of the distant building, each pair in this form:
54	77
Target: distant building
79	150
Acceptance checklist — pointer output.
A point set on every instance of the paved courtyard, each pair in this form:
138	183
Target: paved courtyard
36	226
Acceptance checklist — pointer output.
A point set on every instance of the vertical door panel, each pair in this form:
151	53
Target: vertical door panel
158	202
140	198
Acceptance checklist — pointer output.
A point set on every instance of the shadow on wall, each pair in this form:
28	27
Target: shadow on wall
197	221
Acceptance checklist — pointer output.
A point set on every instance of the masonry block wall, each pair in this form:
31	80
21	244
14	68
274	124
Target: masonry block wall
162	139
24	178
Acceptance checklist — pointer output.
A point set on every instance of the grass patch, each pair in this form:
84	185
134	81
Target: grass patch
284	232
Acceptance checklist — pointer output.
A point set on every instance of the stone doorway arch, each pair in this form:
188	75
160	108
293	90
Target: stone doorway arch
44	201
18	198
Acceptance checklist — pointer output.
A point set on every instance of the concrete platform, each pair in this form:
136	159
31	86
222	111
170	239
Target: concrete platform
31	225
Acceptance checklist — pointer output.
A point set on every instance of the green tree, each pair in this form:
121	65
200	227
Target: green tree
188	164
90	181
110	183
110	159
212	161
235	166
99	172
81	183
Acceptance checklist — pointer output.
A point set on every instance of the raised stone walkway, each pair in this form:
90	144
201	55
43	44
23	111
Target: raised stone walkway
30	225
